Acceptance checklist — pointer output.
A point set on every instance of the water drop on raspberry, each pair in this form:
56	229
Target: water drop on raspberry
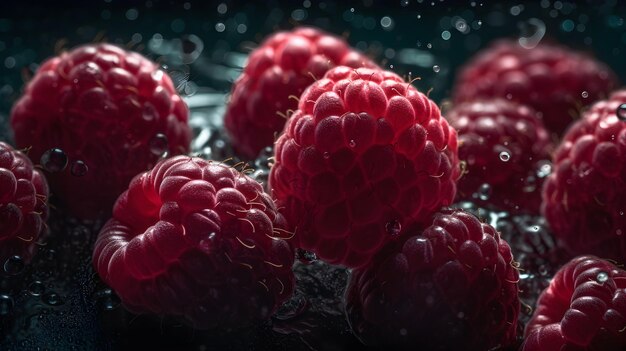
352	144
602	277
621	112
393	227
79	168
326	155
158	144
6	305
54	160
505	156
584	94
14	265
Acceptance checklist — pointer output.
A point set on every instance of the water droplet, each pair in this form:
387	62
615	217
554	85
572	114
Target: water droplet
36	288
621	112
352	143
393	227
14	265
54	160
212	236
6	305
306	257
52	299
79	168
543	270
584	94
327	155
602	277
544	170
107	299
505	156
436	68
158	144
484	192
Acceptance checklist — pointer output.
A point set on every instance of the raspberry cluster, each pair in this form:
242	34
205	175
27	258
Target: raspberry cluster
276	74
199	241
364	155
112	110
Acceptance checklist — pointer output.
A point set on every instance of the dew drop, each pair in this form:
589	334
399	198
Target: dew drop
621	112
54	160
52	299
327	155
14	265
393	227
505	156
584	94
36	288
352	143
79	168
6	305
602	277
484	192
158	144
436	68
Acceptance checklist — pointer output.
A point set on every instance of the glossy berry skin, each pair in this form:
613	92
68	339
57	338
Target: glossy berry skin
584	198
23	204
503	145
451	286
275	76
556	81
583	309
199	241
103	106
364	155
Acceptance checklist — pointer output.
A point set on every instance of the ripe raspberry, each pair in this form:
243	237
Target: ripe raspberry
584	308
584	199
554	80
199	241
23	204
451	287
503	145
364	155
106	107
280	69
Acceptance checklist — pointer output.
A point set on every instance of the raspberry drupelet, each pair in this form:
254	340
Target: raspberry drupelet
113	110
503	145
23	204
199	241
276	74
451	286
583	309
584	199
365	155
556	81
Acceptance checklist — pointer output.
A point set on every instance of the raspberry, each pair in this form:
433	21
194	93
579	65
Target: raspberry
554	80
584	199
584	308
104	107
280	69
199	241
23	204
503	145
451	287
364	155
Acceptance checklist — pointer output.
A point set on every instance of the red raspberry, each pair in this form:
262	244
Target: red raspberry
451	287
280	69
114	110
583	309
554	80
364	155
23	204
503	145
199	241
584	199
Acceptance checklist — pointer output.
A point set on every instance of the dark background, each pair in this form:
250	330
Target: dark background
202	44
31	32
